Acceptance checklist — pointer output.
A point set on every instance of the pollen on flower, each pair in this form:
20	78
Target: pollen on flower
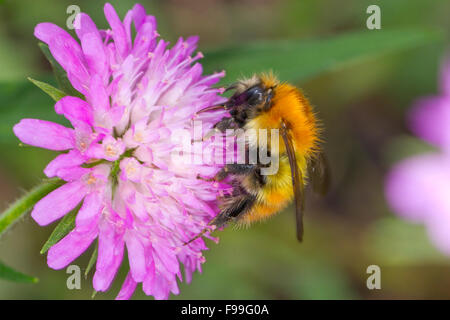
130	169
91	180
82	142
111	150
82	145
177	250
138	136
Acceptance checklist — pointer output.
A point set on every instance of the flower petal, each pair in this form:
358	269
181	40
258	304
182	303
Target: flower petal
98	96
69	55
145	39
91	209
86	26
438	228
76	110
418	186
44	134
65	160
136	255
47	31
128	288
157	286
430	120
58	202
138	15
70	247
110	254
95	55
119	34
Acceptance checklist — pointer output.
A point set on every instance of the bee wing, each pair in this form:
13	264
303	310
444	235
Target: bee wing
319	174
297	181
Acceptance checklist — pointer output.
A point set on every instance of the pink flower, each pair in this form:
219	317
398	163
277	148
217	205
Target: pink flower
418	188
117	157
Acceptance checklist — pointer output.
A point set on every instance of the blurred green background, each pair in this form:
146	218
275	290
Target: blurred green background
362	103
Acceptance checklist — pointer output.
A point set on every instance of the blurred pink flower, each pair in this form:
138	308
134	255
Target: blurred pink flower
118	160
418	188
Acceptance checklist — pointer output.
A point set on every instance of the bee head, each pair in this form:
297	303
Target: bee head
251	95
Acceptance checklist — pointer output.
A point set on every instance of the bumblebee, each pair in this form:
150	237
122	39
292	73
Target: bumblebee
263	102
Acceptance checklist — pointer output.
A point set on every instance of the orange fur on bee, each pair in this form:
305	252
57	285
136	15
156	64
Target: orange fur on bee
290	106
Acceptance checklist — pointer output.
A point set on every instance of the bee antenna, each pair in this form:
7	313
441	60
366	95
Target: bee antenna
231	87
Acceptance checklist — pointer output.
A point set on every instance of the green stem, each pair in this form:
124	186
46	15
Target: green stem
26	202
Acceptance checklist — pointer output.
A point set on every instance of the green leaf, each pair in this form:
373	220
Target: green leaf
297	60
23	100
92	261
60	74
12	275
21	206
53	92
62	229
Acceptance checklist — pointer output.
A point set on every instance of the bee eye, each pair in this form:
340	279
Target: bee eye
255	96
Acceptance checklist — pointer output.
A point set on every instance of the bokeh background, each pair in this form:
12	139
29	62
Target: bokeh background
362	104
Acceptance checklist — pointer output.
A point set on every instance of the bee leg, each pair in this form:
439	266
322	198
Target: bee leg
220	127
237	206
232	168
209	134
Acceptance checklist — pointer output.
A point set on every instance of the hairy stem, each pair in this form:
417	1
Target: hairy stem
26	202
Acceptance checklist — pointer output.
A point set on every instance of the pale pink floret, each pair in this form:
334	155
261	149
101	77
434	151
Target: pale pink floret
430	116
118	163
418	188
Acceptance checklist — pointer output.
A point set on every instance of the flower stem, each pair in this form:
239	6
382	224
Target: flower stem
26	202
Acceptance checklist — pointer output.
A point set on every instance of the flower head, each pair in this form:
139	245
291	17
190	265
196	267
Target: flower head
418	188
117	159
